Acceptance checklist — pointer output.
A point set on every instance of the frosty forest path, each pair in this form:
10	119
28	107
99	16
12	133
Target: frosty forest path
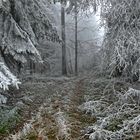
58	117
69	108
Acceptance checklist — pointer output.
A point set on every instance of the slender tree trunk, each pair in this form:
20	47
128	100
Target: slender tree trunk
19	66
76	41
64	68
31	68
54	1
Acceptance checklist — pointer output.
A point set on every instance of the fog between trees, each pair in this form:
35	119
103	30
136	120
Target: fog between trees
69	70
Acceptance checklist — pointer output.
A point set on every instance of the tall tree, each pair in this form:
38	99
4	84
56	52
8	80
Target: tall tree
121	44
76	41
23	25
64	66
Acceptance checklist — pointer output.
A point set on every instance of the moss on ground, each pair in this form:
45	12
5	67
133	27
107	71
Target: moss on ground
7	124
115	125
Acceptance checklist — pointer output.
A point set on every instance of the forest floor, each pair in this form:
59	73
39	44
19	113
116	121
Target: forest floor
52	108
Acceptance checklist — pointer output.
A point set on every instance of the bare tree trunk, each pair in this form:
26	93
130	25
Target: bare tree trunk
32	67
76	41
64	67
70	66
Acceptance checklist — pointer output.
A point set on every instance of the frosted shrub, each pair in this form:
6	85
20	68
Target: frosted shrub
117	121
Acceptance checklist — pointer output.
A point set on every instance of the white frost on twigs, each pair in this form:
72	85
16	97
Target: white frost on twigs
3	99
63	126
119	121
7	78
93	107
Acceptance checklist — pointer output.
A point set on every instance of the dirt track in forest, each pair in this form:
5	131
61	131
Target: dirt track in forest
54	112
58	117
62	119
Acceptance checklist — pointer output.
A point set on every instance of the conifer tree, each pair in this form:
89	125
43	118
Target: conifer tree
23	25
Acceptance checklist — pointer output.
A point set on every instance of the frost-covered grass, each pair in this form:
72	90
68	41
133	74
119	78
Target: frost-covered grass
64	130
90	107
116	120
8	120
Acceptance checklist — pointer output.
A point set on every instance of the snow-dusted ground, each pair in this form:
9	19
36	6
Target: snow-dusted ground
79	108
